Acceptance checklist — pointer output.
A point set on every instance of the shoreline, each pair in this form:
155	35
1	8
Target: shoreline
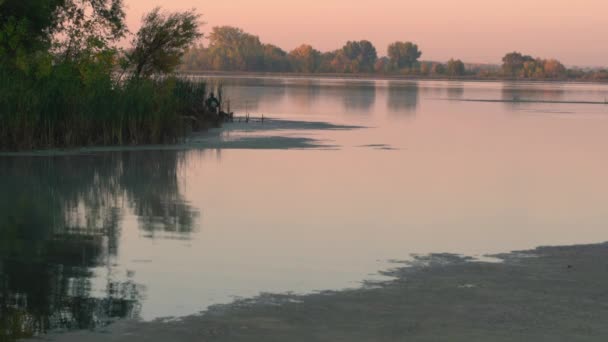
544	294
377	77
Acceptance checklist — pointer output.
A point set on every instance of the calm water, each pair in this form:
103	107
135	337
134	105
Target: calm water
88	238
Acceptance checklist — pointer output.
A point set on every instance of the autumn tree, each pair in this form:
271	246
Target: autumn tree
305	59
554	68
513	63
231	48
403	55
275	59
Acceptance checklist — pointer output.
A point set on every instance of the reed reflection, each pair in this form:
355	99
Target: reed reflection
60	229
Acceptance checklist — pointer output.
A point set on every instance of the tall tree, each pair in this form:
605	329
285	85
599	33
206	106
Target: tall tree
162	41
25	30
86	27
554	68
362	55
403	54
305	59
455	67
231	48
513	63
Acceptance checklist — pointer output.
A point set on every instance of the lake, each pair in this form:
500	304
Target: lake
341	178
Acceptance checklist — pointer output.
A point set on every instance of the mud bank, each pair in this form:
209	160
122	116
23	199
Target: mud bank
547	294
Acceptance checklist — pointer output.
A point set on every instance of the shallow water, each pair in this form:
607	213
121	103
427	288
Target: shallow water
386	169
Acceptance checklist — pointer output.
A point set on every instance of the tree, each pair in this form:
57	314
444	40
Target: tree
455	68
403	54
25	37
33	32
87	27
437	69
382	65
305	59
231	48
275	59
361	54
162	41
554	68
513	63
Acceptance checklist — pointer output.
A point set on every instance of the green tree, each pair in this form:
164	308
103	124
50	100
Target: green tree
25	28
455	67
87	27
361	54
162	41
437	69
403	54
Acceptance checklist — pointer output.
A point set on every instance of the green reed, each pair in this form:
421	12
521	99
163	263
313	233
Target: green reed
64	110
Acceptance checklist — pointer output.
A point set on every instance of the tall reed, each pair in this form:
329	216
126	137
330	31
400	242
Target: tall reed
65	110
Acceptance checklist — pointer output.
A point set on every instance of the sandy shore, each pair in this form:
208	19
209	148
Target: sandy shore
547	294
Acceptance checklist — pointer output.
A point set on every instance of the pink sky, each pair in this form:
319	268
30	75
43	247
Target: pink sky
576	32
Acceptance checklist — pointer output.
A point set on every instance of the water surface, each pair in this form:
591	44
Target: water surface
385	169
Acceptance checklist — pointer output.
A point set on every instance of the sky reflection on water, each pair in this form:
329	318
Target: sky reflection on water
88	238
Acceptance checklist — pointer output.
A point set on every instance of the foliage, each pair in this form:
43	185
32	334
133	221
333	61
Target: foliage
24	33
455	67
359	56
514	62
305	59
523	66
403	54
87	27
61	110
162	40
57	84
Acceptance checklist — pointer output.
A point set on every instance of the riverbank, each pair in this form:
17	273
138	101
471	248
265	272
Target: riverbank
546	294
380	77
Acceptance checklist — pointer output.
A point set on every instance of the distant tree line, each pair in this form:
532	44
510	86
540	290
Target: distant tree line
232	49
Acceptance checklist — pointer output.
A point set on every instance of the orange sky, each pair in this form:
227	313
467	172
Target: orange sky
576	32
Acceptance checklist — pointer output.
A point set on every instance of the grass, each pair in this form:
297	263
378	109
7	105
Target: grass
66	110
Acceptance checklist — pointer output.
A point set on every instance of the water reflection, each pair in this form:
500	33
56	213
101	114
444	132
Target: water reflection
305	93
512	94
455	90
58	248
245	95
358	97
403	98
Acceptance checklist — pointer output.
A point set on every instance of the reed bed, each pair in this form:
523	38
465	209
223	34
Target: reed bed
64	110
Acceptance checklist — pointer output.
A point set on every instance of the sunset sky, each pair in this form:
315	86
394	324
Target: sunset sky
576	32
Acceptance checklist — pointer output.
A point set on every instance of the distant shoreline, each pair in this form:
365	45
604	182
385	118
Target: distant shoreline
377	77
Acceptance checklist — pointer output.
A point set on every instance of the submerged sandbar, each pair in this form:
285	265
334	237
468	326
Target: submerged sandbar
546	294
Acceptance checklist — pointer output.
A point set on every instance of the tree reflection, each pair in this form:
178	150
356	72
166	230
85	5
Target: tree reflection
403	97
60	230
512	94
358	96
